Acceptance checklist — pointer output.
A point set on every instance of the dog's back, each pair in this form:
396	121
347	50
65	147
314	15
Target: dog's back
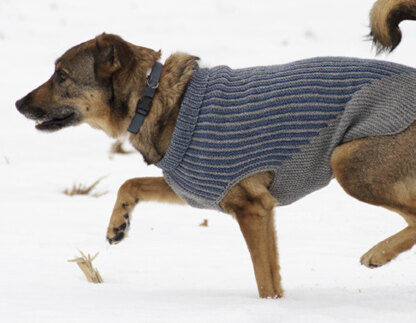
284	118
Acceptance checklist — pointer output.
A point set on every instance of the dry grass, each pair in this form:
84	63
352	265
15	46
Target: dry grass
204	223
80	189
85	264
117	148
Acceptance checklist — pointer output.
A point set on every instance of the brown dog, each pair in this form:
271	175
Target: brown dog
100	82
385	18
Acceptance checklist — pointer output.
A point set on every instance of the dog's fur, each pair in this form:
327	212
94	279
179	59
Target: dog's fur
385	18
99	82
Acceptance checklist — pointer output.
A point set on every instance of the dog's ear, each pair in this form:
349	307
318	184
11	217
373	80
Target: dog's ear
111	54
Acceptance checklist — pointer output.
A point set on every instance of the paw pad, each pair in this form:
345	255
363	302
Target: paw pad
120	232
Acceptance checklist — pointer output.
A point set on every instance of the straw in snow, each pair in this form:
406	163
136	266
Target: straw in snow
85	263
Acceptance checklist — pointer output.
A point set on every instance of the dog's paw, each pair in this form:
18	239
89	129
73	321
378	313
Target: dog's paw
375	257
117	231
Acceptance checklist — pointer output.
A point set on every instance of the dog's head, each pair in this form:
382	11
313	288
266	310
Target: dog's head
93	83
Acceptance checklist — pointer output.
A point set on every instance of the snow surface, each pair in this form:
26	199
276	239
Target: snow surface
170	269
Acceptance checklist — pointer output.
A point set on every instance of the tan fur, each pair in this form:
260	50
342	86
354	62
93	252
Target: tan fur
382	171
153	139
137	190
99	82
251	203
385	17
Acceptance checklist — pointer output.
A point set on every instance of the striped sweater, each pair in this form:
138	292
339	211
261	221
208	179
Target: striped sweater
287	118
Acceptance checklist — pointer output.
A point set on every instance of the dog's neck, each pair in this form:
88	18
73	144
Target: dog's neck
154	137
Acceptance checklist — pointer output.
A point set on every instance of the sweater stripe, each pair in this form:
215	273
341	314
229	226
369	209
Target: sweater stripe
231	135
284	118
316	77
209	143
263	111
290	97
324	86
231	172
266	121
247	75
192	165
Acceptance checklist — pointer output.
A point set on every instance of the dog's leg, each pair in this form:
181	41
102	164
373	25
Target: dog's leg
382	171
391	247
133	191
258	231
252	205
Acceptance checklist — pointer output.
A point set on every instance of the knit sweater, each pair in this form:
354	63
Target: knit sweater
287	119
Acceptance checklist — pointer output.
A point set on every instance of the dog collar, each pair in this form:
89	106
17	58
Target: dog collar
145	103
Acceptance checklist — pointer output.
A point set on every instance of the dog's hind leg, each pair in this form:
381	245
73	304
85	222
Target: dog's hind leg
391	247
252	205
133	191
382	171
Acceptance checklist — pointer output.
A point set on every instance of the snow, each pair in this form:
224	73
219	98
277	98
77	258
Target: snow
170	269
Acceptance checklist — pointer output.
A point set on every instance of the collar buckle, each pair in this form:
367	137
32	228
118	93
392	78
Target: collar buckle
145	102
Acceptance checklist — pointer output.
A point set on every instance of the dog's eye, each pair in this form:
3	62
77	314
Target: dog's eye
61	76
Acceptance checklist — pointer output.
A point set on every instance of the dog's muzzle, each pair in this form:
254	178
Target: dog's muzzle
33	113
56	119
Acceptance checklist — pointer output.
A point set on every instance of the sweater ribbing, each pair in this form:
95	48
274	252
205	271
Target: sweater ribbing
284	118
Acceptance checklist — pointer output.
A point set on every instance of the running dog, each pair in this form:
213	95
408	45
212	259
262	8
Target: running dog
245	141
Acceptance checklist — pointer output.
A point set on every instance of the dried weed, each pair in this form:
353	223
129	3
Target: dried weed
85	264
204	223
117	148
80	189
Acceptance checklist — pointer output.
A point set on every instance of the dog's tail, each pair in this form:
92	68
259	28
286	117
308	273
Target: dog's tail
385	17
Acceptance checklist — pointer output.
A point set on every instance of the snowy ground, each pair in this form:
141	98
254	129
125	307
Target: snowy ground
170	269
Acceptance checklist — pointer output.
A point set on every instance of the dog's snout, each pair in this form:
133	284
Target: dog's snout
20	103
24	106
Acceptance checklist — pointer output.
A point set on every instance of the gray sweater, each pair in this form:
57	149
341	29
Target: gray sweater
285	118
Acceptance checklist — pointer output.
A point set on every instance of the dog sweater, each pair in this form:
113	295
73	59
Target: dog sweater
287	119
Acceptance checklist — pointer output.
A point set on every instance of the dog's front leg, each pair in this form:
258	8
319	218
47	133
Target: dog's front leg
133	191
259	233
252	205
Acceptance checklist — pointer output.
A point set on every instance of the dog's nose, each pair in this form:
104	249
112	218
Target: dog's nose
19	103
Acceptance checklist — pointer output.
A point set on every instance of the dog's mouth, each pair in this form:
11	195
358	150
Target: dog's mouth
55	121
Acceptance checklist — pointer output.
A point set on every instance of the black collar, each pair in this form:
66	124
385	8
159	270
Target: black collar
145	103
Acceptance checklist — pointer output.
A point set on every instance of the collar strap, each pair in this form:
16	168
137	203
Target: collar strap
145	103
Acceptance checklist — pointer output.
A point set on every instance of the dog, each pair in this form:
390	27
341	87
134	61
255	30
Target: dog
385	18
105	82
